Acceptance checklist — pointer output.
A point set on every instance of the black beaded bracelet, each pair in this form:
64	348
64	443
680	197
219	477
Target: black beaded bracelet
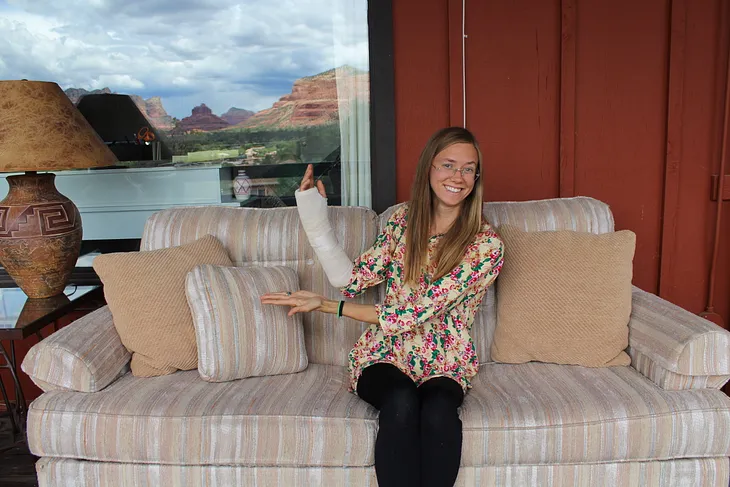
339	309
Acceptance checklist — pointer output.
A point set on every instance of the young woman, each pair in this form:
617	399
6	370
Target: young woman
437	256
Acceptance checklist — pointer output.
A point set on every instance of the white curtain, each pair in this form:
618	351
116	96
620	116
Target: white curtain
350	30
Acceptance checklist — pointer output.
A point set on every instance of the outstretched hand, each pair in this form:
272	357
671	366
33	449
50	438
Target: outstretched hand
299	301
308	182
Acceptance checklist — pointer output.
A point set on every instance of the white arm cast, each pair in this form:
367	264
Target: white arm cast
313	214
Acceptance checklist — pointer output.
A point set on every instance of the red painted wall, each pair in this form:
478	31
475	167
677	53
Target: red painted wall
512	88
621	99
420	30
699	144
628	95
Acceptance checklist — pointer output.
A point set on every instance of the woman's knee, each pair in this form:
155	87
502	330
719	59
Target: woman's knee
379	381
440	399
401	407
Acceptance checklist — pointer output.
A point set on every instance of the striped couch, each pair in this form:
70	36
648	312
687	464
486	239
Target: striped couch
660	422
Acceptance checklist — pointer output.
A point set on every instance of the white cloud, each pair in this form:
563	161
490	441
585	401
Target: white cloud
122	81
219	52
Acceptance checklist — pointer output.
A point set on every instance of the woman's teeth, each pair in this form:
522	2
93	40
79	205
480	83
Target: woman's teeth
451	189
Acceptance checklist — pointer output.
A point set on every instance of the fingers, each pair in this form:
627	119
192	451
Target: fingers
309	174
295	304
308	179
280	293
283	299
284	296
279	298
308	182
299	302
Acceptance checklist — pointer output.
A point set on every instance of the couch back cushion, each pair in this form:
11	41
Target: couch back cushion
581	214
274	237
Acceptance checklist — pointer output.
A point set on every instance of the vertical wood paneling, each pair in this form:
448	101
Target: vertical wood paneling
675	119
614	99
421	56
621	95
512	88
457	50
706	44
720	287
567	97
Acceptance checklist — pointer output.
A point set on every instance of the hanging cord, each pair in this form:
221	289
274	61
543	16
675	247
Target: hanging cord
463	57
709	312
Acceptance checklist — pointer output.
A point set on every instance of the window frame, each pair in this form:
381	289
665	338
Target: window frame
382	104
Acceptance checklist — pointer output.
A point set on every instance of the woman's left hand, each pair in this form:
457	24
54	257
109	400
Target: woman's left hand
299	301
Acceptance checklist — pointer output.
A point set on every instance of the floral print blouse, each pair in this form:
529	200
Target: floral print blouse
423	329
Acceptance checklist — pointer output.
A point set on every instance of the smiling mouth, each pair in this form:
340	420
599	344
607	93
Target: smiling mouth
452	189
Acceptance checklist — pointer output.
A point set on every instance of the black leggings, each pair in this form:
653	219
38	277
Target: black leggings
419	436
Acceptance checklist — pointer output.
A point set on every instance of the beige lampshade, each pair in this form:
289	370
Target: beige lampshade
41	130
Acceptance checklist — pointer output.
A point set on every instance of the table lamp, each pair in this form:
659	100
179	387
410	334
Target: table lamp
40	229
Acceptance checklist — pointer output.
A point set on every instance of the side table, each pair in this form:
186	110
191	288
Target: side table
21	317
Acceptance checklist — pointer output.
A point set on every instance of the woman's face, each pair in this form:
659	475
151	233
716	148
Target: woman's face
453	174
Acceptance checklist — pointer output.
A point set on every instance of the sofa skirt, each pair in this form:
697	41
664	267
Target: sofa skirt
700	472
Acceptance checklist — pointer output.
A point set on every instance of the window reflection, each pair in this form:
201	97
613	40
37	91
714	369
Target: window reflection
197	99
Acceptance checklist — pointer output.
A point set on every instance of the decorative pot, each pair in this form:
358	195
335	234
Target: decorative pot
40	235
242	186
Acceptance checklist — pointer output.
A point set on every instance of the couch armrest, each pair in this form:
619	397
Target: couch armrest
85	356
675	348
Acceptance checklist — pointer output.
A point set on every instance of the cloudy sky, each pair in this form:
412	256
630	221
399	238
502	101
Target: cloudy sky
224	53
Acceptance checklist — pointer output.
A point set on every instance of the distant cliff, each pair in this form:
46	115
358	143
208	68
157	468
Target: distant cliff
75	94
202	119
312	101
235	116
154	111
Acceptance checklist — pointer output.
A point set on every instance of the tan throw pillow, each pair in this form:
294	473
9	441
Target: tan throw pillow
145	292
239	337
564	297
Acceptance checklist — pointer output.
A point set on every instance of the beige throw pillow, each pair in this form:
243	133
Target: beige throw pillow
145	292
237	336
564	297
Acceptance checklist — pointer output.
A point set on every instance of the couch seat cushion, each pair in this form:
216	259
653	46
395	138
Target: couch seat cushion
308	418
515	414
538	413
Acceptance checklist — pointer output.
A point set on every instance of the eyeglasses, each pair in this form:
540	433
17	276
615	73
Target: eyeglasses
467	172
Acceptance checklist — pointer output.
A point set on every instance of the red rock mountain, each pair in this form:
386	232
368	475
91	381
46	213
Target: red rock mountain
202	119
312	101
235	116
151	108
154	111
75	94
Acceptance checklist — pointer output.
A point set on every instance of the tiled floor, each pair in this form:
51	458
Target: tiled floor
17	465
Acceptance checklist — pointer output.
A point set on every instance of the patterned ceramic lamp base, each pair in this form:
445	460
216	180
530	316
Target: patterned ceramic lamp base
40	235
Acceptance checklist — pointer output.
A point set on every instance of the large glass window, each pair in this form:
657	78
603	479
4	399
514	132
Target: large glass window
224	101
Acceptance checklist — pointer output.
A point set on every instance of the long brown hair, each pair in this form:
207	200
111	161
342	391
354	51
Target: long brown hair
420	211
